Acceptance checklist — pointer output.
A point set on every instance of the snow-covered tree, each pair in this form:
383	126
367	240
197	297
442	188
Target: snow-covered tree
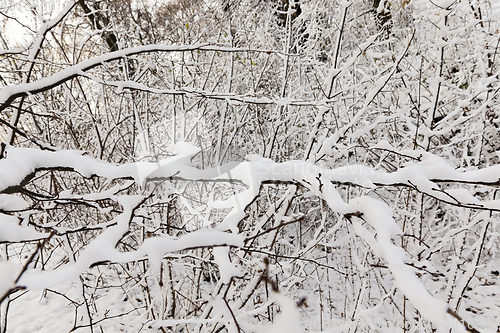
249	166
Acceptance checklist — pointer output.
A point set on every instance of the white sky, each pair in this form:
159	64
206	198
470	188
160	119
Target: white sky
14	33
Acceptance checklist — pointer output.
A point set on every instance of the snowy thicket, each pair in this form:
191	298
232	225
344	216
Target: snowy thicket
250	166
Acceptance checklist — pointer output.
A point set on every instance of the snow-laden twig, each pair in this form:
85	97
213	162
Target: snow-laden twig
10	93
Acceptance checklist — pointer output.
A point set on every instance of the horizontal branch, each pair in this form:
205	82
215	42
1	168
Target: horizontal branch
4	52
10	93
223	96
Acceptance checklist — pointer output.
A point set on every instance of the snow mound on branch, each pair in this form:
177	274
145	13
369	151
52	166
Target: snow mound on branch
12	203
289	318
8	275
11	231
379	216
